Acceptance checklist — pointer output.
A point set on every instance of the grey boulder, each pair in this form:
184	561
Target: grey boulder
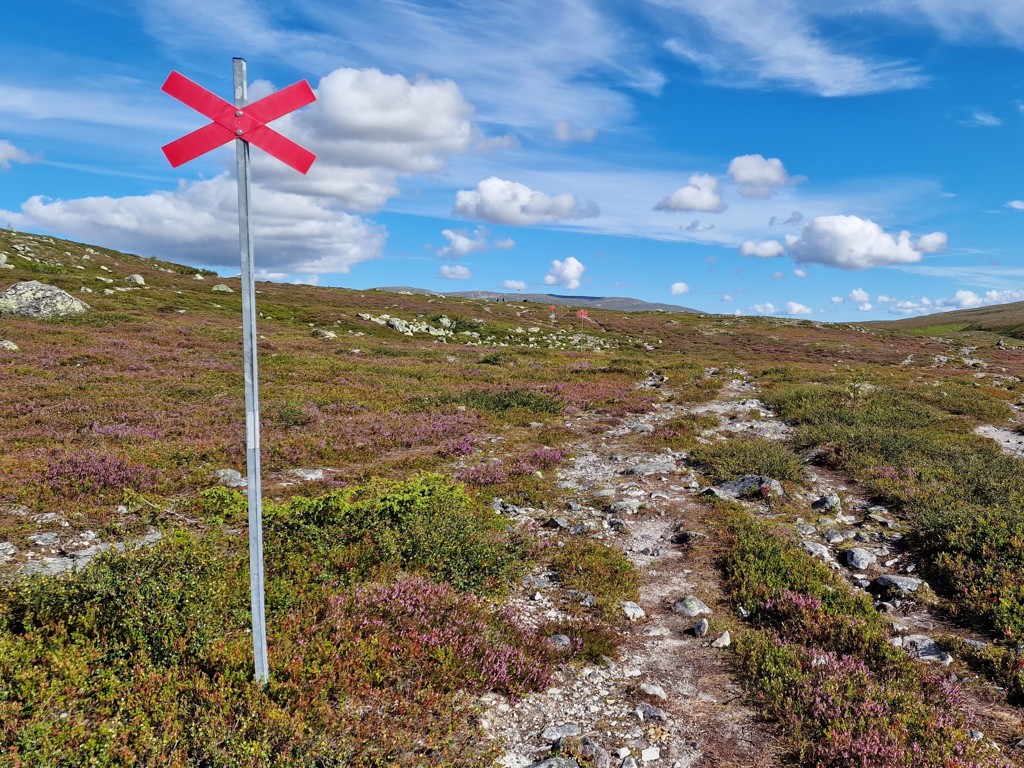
35	299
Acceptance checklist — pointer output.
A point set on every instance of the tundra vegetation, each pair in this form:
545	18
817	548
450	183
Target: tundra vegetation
389	572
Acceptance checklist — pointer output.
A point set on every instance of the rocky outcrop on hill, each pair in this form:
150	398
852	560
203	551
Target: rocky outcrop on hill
35	299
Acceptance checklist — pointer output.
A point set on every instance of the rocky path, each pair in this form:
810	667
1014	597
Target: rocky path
670	700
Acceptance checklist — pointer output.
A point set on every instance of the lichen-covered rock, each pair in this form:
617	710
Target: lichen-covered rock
691	606
859	558
10	346
135	279
35	299
221	288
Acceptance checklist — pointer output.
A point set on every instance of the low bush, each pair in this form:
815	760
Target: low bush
144	658
729	459
818	659
92	476
591	567
961	493
426	524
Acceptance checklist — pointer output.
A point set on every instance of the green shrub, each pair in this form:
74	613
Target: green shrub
220	505
729	459
426	524
160	603
498	402
602	571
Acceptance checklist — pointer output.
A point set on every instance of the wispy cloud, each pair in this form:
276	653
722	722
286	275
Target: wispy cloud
530	63
991	277
749	43
979	119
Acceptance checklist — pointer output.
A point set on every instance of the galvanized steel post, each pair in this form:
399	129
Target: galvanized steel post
252	399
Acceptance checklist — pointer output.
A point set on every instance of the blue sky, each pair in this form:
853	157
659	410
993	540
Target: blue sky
820	159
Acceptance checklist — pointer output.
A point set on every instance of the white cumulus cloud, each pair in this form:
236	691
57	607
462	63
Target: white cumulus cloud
865	307
969	299
933	243
1017	205
508	202
513	285
757	176
461	242
853	243
565	273
859	295
766	249
795	308
197	223
837	299
456	272
12	154
765	309
367	129
799	273
678	289
700	194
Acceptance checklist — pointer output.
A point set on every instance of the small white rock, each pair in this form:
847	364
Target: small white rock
651	689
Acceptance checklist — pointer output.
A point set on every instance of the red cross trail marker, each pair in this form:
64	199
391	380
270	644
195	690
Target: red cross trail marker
246	124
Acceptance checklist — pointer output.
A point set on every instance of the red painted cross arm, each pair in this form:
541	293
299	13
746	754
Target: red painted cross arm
197	143
282	102
247	123
194	95
281	147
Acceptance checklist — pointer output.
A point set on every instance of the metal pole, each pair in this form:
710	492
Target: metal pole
252	398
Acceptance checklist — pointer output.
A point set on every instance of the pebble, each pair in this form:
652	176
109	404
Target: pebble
651	712
560	642
830	502
651	753
818	550
859	558
629	506
651	468
691	606
232	478
700	629
651	689
901	584
724	641
633	611
553	733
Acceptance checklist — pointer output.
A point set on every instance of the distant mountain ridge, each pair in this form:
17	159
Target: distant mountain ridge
617	303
